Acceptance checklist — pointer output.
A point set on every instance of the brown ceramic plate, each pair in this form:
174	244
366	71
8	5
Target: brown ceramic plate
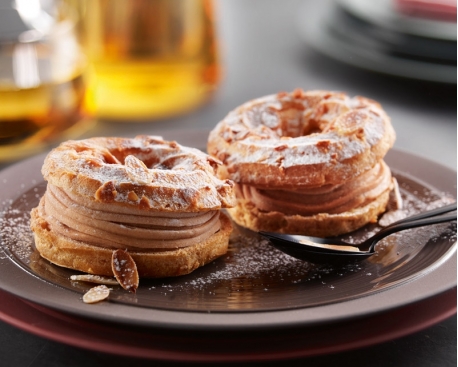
253	287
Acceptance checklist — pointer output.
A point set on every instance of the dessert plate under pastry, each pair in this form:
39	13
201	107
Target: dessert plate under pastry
253	289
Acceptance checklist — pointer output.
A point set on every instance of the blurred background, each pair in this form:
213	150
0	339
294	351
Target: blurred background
96	68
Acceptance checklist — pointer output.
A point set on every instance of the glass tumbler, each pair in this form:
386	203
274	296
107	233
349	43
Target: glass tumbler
149	58
42	87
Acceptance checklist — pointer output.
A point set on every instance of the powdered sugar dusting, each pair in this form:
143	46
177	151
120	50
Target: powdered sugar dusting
301	129
110	168
16	235
252	259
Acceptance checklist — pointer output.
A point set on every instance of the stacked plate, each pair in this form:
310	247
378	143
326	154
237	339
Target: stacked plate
386	36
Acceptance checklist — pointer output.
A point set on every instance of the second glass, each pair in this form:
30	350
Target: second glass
149	58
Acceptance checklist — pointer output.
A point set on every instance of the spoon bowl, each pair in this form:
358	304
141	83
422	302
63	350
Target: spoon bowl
333	250
292	245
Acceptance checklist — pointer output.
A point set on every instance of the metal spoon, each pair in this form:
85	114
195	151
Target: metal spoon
311	249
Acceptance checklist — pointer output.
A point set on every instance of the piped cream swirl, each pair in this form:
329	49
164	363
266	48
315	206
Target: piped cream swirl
331	199
116	226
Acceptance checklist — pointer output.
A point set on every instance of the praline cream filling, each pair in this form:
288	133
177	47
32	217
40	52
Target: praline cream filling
115	226
332	199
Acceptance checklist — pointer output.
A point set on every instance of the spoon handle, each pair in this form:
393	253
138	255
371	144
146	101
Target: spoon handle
406	224
427	214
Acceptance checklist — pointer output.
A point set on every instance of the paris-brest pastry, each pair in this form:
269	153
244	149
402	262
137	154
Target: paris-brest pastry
159	201
306	162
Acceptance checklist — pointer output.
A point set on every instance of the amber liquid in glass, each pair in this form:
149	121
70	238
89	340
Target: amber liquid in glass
149	58
31	118
28	113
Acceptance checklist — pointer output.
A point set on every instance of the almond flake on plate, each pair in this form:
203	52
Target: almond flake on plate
96	294
125	270
97	279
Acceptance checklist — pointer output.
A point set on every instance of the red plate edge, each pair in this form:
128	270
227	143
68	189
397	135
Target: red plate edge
154	344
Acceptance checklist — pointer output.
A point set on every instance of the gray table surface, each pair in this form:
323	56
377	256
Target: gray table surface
263	53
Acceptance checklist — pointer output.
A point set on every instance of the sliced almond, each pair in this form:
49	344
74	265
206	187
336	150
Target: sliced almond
137	170
97	279
132	196
125	270
96	294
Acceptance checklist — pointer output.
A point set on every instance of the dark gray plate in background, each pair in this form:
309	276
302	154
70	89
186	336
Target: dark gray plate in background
372	36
